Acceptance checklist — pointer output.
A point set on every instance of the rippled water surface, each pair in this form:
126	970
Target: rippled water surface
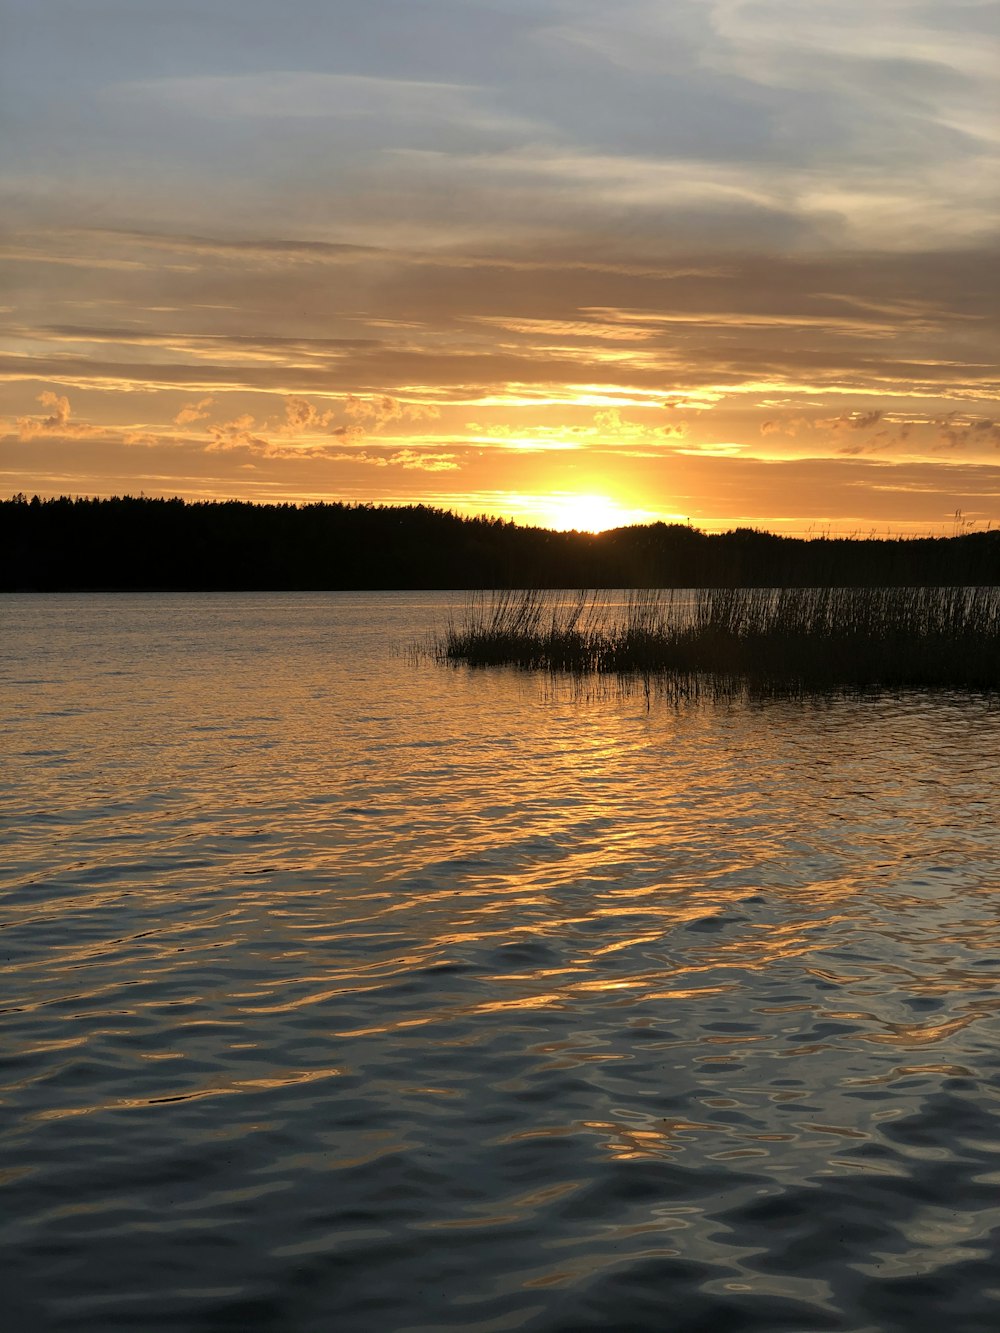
349	992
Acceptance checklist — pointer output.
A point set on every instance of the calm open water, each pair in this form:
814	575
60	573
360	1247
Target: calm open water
346	992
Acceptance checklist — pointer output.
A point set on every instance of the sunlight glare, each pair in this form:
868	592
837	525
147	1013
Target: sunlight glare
589	513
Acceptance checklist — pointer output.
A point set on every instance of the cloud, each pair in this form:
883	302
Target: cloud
848	421
955	431
611	427
57	422
280	328
31	426
865	420
816	123
372	413
892	435
607	428
789	425
409	459
193	412
237	434
301	415
336	97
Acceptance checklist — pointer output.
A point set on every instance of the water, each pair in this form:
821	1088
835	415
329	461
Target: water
349	992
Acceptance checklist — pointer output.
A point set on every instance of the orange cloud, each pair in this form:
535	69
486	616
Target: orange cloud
409	459
236	434
193	412
57	423
349	433
301	414
378	410
610	425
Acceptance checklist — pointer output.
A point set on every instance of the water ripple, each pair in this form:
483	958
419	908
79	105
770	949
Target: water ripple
344	991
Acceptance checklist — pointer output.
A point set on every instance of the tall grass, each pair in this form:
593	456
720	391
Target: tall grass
786	638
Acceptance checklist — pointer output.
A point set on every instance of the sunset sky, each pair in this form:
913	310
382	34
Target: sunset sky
568	261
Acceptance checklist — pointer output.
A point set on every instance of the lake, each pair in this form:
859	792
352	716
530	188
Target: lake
345	991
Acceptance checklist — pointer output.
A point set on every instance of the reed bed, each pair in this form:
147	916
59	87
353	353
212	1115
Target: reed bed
784	639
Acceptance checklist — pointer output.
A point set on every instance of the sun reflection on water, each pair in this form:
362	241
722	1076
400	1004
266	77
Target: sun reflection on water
485	987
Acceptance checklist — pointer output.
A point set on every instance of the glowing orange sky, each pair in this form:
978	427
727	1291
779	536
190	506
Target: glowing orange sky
723	262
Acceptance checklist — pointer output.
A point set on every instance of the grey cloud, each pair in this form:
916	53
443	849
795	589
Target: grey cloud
252	251
865	420
851	123
320	95
955	431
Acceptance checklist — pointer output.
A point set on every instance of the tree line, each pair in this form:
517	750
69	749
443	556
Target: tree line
137	543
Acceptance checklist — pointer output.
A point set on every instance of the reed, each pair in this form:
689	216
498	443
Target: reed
785	639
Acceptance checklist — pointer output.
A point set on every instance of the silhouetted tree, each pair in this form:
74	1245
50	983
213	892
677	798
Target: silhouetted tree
132	542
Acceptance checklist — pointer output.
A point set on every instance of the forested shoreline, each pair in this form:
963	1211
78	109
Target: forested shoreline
136	543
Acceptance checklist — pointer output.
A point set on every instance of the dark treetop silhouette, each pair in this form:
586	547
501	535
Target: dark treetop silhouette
138	543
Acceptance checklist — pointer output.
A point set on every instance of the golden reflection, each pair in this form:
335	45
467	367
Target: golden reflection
920	1034
911	1071
513	1210
632	942
671	1136
627	1143
560	1278
523	1002
288	1079
692	992
842	1131
732	1038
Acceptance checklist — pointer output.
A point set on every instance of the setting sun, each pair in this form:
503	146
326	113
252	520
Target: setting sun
589	513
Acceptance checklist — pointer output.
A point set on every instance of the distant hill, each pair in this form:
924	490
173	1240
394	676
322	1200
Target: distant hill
134	543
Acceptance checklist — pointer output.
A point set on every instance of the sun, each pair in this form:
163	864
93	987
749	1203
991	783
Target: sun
588	513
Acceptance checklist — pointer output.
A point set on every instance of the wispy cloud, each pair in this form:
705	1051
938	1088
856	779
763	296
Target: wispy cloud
396	105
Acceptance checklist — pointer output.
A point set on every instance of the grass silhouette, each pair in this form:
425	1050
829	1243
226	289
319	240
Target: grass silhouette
785	639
